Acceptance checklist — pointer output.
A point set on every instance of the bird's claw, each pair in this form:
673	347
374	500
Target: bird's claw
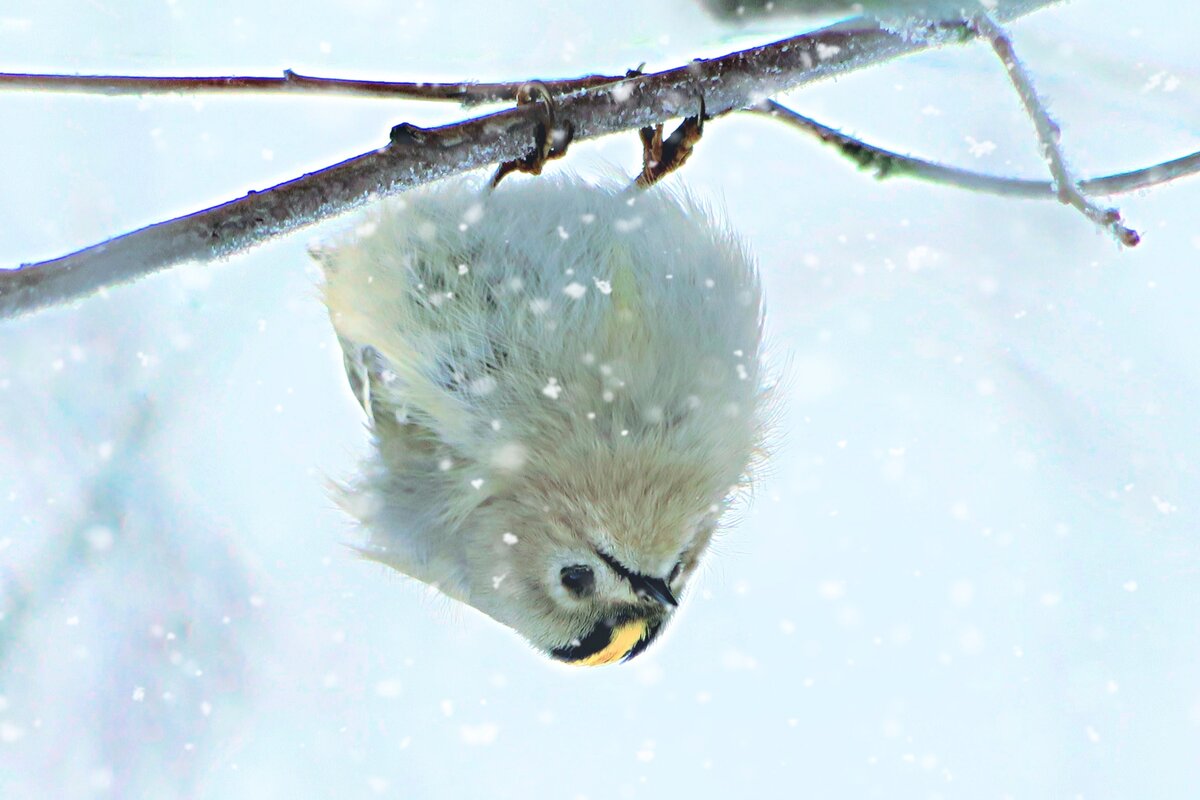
663	156
550	140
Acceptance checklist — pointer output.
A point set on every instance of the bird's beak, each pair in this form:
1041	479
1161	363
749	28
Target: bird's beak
645	585
656	589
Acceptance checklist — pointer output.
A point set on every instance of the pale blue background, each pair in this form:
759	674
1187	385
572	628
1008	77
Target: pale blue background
972	571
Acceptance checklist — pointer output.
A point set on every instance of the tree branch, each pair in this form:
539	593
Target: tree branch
415	155
1048	134
467	93
889	164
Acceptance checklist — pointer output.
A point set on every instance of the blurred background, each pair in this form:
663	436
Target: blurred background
971	571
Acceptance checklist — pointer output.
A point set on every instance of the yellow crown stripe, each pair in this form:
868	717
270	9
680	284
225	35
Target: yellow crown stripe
624	639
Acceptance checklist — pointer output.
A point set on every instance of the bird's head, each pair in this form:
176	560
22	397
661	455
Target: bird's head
590	564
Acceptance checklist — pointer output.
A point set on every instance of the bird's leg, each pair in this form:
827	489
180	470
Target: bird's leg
549	139
662	156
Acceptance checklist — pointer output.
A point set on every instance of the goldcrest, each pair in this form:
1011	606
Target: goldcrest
564	390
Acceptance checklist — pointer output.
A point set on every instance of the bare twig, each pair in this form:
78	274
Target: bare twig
1049	134
468	93
889	164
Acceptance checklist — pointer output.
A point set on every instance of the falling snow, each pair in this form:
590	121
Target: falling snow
969	568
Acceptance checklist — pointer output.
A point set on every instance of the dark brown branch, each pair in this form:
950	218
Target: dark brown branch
889	164
415	155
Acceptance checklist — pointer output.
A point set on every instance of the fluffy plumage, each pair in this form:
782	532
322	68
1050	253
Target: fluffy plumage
557	376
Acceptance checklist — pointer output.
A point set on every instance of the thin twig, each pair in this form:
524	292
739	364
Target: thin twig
889	164
415	156
1049	134
467	93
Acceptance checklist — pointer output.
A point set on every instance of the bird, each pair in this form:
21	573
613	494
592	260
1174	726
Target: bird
564	387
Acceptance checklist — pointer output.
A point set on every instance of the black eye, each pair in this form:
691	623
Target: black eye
578	579
678	568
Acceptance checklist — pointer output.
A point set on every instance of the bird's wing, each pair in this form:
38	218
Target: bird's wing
368	372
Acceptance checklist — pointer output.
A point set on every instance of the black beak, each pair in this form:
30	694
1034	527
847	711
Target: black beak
655	589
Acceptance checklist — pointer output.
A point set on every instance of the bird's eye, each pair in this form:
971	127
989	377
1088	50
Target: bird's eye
578	579
678	568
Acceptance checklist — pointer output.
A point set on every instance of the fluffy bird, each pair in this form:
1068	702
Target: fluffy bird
564	391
